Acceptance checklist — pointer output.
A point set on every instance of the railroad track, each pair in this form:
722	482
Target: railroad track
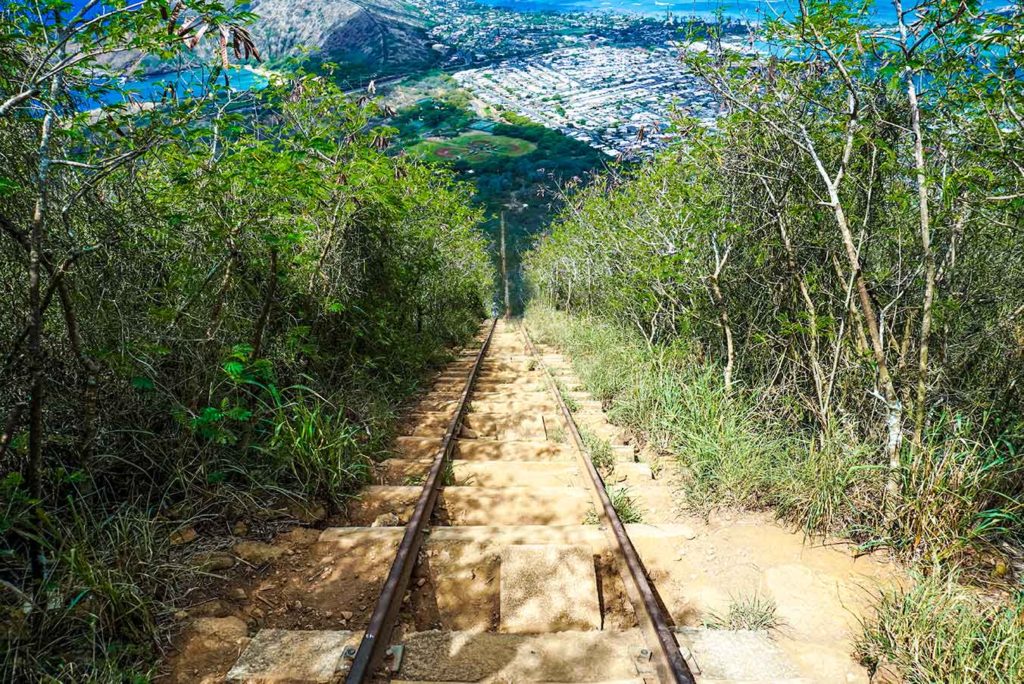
506	559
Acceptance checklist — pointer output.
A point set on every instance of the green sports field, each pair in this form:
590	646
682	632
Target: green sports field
472	147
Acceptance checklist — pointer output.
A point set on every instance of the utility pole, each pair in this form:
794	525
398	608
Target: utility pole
504	269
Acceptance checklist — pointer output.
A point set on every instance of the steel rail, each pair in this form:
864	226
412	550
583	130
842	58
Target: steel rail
668	659
376	638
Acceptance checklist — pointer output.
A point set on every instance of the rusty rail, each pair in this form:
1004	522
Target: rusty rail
668	660
375	642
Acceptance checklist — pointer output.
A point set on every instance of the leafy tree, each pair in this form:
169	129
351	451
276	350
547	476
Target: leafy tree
216	298
847	237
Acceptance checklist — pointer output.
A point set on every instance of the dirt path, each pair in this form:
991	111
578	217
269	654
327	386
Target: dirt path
515	581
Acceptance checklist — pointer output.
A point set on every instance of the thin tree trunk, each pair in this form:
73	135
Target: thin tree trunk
723	316
893	405
817	373
268	304
34	474
927	254
222	290
91	370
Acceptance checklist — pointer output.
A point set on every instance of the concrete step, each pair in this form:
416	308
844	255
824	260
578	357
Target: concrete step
501	365
737	657
433	404
413	446
534	384
548	588
510	473
426	424
487	474
476	505
491	372
629	473
514	505
427	446
294	656
541	395
419	447
539	404
457	583
584	656
527	426
457	579
484	450
451	387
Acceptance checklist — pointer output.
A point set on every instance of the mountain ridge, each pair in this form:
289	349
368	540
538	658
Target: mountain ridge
370	38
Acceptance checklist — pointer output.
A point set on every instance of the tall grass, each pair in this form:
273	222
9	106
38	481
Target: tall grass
109	583
600	451
736	449
730	456
940	631
957	494
324	453
956	506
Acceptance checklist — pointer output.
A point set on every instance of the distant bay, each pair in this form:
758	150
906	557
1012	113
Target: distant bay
185	83
751	10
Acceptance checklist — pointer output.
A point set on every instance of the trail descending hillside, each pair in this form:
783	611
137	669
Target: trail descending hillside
481	556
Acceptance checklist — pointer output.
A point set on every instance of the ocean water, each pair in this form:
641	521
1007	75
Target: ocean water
186	83
752	10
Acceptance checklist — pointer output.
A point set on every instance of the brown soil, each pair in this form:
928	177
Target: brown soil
309	585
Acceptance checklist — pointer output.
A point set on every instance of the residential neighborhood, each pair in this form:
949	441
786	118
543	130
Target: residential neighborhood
617	99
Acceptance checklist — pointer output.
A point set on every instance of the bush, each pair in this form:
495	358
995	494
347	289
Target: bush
940	631
739	449
325	455
251	300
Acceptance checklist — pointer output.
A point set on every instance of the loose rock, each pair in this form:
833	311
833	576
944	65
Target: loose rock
257	553
184	536
386	520
216	561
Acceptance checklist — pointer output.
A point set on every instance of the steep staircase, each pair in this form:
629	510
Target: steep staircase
515	581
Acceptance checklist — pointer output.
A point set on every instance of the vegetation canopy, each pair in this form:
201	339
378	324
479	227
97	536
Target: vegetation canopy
815	304
216	304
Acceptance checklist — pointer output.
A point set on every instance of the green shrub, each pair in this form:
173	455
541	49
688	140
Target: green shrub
958	493
749	611
600	451
324	454
625	504
940	631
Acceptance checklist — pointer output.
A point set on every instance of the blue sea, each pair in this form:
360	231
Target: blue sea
186	83
753	10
